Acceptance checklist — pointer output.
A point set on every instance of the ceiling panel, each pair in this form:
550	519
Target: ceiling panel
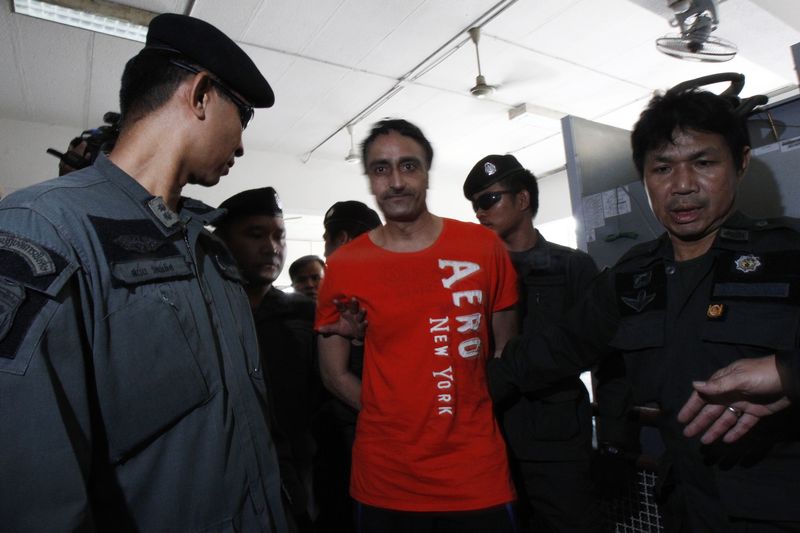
328	60
54	69
13	94
109	57
588	33
233	18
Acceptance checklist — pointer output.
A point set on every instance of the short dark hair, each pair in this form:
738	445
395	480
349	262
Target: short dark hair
404	128
148	82
520	181
300	263
688	110
354	228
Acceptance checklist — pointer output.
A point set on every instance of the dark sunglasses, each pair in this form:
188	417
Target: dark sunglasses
488	199
245	110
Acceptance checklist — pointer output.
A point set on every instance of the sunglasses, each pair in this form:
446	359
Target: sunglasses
245	110
488	199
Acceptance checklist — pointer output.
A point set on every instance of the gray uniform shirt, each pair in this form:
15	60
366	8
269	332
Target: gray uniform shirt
131	396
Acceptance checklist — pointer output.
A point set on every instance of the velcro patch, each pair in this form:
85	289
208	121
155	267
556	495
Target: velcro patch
132	272
641	291
763	275
11	297
30	274
37	257
752	290
133	240
138	251
138	243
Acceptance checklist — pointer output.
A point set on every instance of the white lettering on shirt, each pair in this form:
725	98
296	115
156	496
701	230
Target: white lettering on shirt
467	333
472	297
461	269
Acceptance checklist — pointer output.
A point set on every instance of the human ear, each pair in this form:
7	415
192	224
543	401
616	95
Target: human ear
199	88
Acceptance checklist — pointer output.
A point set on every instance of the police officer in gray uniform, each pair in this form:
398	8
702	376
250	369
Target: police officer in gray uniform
716	287
129	370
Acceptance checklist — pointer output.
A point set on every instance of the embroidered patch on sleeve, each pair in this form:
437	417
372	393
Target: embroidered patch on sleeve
30	274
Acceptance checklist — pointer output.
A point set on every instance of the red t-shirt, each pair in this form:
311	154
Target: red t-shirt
426	438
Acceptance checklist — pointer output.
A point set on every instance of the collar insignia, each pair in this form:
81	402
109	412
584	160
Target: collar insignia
747	263
162	212
489	168
640	302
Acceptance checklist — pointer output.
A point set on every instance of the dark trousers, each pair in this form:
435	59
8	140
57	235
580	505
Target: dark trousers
556	496
500	519
334	437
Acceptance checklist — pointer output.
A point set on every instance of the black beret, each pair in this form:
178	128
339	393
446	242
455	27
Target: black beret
352	211
211	49
490	170
263	201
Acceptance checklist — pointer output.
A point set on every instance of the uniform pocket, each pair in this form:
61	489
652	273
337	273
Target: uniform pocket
768	325
639	332
149	377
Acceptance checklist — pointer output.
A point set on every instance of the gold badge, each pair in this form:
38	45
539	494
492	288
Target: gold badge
715	310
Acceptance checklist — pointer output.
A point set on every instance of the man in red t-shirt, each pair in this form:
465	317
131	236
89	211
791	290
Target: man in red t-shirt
439	296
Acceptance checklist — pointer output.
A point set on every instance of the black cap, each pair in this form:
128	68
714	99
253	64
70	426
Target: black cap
354	212
490	170
211	49
263	201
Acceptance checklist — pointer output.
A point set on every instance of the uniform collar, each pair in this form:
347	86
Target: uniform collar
154	207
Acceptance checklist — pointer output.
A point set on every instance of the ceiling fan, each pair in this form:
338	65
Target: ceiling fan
481	89
695	41
352	156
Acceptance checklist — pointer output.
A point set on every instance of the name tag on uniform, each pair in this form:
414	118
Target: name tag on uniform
147	270
752	290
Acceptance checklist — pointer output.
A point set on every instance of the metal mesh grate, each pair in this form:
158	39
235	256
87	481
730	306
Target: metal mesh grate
635	509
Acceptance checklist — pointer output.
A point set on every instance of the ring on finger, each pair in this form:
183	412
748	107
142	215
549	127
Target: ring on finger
736	411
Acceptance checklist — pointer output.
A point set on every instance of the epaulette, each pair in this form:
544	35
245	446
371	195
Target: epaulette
777	223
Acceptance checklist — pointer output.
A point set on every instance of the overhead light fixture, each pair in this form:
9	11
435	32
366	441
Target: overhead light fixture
352	157
525	109
93	15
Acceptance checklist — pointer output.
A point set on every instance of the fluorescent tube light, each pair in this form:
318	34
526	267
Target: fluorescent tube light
104	17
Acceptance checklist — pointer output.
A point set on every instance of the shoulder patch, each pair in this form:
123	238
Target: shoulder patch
38	259
11	297
30	275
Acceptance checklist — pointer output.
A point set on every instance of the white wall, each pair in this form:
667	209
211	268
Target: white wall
307	190
23	160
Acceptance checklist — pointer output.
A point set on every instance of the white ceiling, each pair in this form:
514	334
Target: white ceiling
330	60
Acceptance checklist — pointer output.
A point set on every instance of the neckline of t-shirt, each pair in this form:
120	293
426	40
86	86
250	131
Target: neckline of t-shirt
445	226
